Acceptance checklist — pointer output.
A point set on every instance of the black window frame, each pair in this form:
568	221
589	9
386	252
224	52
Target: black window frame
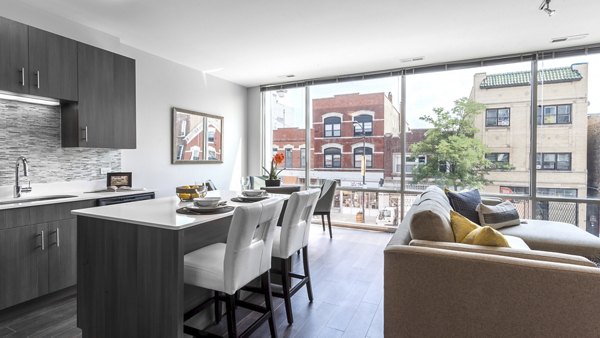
541	114
493	157
368	156
330	123
365	121
332	152
496	118
542	163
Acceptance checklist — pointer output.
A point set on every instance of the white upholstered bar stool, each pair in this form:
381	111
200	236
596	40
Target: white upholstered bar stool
227	267
291	237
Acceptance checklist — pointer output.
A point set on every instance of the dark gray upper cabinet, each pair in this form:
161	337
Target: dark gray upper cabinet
104	116
36	62
13	57
52	65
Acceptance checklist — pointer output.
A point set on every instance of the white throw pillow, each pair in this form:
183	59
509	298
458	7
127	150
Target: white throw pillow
498	216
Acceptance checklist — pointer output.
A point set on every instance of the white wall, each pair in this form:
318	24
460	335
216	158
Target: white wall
162	84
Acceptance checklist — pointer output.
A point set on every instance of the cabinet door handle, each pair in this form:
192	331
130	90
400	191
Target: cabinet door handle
57	237
37	77
23	76
43	241
85	134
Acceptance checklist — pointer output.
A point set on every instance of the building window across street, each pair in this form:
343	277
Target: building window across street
364	121
288	158
555	114
333	126
333	158
302	157
497	117
499	160
368	157
553	161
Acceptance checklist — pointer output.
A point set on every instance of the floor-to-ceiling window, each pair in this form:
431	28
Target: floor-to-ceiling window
459	127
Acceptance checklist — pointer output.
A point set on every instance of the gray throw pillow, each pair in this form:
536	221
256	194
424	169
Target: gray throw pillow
498	216
465	203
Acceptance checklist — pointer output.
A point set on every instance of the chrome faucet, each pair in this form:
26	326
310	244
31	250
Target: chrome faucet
18	189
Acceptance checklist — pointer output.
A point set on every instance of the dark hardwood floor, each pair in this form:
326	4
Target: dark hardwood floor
347	275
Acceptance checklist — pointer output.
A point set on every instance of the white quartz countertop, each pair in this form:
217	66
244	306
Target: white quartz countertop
161	212
27	199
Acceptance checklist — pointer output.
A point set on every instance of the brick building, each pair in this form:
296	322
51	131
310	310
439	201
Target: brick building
393	147
337	138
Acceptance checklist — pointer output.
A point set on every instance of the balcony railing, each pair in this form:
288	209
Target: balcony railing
384	208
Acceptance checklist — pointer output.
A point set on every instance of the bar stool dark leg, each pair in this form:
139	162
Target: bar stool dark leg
307	273
329	222
323	221
231	322
218	308
285	285
266	286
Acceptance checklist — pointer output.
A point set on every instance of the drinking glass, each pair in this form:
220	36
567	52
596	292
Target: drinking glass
245	183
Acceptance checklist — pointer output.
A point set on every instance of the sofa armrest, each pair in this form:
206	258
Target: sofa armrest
436	292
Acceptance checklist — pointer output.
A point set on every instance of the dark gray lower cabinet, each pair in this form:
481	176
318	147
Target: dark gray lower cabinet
62	254
38	251
23	264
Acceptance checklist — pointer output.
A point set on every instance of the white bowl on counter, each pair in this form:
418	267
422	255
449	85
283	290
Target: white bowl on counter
207	202
253	193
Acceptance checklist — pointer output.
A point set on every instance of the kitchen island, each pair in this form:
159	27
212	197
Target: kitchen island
130	265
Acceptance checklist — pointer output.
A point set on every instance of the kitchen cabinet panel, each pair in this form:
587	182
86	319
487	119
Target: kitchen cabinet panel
52	65
104	116
62	254
96	102
124	113
23	264
13	57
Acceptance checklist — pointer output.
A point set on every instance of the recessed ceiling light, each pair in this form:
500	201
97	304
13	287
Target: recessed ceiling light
569	38
413	59
286	76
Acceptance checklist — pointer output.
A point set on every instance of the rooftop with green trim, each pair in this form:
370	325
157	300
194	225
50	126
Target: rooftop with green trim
515	79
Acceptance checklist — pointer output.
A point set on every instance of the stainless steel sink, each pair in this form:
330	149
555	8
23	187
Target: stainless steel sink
35	199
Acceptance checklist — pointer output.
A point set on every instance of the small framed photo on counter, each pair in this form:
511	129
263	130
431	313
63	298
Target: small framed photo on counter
118	180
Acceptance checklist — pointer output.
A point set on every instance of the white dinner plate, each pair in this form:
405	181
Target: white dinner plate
218	207
253	198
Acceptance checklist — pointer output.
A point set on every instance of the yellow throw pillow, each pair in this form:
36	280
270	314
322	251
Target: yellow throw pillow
461	226
486	236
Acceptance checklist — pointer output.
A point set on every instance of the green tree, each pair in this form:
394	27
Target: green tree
455	158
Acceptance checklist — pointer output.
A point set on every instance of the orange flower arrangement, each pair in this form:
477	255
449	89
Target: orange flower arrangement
277	159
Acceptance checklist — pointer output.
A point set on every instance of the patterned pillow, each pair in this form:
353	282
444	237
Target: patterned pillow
498	216
465	203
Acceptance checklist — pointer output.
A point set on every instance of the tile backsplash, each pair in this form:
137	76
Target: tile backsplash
33	131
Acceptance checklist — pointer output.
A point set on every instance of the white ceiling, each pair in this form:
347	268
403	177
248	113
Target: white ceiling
257	42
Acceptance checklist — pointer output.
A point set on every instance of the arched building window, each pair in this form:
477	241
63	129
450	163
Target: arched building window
363	121
333	126
358	152
332	158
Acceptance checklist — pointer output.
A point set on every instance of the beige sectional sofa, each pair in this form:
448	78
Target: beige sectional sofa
540	287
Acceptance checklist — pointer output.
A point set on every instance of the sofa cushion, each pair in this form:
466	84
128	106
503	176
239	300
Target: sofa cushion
465	203
431	221
516	243
498	216
556	237
486	236
524	253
